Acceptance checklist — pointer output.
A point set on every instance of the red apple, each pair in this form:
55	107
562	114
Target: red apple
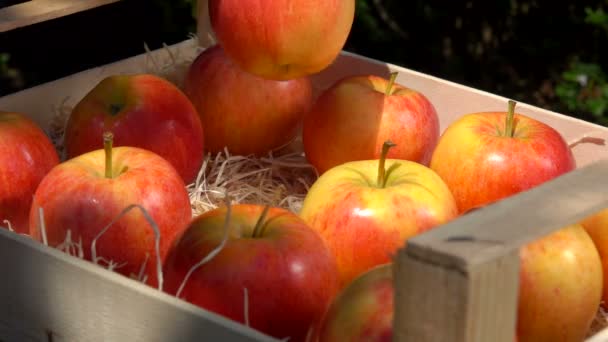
560	287
282	39
287	272
487	156
596	226
26	156
240	111
362	311
357	114
365	212
143	111
82	195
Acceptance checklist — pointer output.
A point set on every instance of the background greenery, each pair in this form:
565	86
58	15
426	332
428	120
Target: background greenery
550	54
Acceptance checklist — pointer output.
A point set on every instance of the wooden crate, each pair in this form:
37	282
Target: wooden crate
461	289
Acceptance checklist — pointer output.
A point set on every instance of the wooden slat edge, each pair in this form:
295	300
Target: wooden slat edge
36	11
513	222
47	291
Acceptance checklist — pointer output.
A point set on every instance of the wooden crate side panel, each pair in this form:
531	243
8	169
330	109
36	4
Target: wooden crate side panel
46	292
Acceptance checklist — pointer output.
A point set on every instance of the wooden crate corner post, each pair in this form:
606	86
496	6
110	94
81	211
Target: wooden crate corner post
440	297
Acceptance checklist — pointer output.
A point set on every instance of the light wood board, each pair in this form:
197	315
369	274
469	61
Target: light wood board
37	11
45	292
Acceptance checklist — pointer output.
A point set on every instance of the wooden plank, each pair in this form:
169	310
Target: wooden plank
466	270
45	292
204	32
36	11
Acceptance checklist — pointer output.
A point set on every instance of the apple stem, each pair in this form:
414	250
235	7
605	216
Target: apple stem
258	230
381	169
391	82
108	137
509	124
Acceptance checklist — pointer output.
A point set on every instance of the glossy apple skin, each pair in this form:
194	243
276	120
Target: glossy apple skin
561	285
26	156
480	166
289	274
282	39
362	311
241	111
362	224
76	196
354	117
142	111
596	226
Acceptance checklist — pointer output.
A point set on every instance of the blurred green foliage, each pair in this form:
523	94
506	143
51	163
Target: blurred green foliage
584	86
177	16
533	51
9	74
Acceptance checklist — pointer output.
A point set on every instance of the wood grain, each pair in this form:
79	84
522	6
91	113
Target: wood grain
435	303
36	11
45	292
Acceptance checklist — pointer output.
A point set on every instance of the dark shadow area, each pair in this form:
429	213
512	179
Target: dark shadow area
6	3
49	50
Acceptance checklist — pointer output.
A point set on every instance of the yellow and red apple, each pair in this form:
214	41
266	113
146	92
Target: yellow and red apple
26	156
365	210
85	194
560	287
357	114
265	116
486	156
141	110
596	226
363	310
273	272
282	39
